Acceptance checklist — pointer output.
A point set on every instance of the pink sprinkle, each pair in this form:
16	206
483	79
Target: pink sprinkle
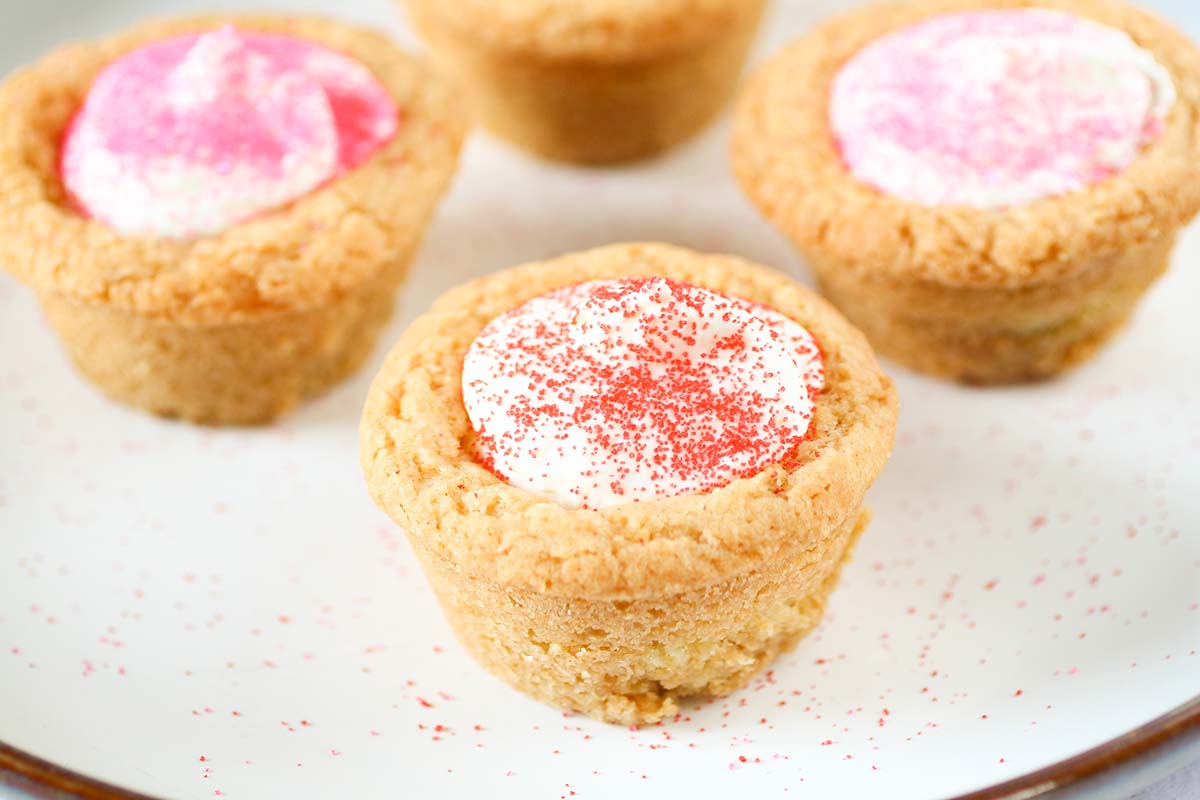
135	123
997	108
243	121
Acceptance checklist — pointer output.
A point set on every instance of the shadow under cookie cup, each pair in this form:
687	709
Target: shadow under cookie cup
237	327
597	89
979	295
620	612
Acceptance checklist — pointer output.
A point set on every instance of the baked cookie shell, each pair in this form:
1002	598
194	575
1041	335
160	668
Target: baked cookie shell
416	448
308	254
631	661
597	31
597	82
785	156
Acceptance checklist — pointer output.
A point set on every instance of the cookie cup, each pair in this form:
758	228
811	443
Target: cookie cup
620	612
598	82
978	295
240	326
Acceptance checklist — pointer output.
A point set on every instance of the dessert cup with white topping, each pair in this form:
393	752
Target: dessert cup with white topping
985	187
215	212
632	474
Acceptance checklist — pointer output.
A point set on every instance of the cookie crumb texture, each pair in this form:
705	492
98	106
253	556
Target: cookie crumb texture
605	81
997	336
240	326
631	662
978	295
235	374
623	611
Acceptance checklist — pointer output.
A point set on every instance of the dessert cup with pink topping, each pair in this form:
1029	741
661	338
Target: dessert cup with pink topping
985	187
630	474
215	212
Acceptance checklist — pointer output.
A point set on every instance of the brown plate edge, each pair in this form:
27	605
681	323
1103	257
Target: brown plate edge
1137	744
44	779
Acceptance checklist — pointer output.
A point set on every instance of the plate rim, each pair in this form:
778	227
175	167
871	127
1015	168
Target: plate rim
42	778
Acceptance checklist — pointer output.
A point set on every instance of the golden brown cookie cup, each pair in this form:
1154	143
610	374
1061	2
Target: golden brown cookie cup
237	327
620	612
983	296
597	82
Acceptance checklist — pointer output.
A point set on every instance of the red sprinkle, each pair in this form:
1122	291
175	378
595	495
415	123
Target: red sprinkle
622	390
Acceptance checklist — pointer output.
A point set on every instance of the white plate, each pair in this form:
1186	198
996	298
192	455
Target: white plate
198	613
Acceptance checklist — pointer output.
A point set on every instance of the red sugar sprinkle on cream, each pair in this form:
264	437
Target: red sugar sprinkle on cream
624	390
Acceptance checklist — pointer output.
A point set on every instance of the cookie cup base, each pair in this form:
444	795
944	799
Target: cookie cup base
592	111
237	373
630	662
996	336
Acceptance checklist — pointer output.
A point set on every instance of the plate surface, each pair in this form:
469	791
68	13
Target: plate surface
198	613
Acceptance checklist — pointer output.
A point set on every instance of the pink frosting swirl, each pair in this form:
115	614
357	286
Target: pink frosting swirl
188	136
997	108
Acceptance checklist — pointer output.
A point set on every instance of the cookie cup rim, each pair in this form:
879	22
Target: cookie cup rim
415	447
